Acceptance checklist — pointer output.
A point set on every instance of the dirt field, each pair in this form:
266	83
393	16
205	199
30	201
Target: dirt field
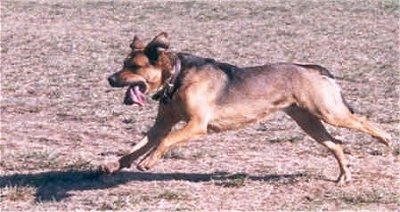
60	119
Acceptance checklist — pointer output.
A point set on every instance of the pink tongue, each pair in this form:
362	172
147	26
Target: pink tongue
137	96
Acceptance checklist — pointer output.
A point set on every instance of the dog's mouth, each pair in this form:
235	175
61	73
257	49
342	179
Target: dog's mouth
135	95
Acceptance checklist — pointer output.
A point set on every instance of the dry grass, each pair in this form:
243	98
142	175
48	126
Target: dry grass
60	119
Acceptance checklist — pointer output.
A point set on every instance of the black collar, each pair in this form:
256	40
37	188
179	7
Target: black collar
171	84
177	71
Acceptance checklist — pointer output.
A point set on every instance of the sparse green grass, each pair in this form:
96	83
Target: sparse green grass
42	159
346	200
232	181
30	159
175	153
173	195
373	196
391	5
121	200
116	204
16	194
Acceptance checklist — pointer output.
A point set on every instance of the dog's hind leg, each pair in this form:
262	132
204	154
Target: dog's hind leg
353	121
314	128
326	102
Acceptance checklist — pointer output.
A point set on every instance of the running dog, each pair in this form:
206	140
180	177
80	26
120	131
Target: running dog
212	96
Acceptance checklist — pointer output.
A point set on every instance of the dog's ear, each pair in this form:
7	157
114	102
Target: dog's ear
158	45
137	44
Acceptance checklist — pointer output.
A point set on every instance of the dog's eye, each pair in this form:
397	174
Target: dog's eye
129	65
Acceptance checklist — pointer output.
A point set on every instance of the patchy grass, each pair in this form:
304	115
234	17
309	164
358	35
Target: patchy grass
376	196
60	119
391	5
173	195
233	181
176	153
17	193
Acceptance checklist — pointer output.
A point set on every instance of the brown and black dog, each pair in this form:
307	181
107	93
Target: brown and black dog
214	96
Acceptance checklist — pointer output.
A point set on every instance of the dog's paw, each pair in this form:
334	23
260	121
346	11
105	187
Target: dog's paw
109	168
384	138
144	165
387	140
343	179
125	162
142	168
147	163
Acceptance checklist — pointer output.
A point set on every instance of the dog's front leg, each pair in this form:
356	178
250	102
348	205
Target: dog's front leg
164	122
125	162
193	129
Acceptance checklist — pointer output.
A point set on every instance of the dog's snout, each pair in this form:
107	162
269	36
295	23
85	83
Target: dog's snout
113	80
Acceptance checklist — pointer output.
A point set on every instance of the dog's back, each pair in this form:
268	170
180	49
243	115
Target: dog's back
276	83
243	95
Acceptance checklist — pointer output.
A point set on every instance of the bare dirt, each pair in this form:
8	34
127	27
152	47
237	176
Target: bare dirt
60	119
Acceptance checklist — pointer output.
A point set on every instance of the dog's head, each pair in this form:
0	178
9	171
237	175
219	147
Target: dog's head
144	70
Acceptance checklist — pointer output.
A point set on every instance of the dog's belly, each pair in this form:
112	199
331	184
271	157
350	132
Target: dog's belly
230	117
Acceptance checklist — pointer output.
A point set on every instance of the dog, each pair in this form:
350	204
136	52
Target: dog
211	96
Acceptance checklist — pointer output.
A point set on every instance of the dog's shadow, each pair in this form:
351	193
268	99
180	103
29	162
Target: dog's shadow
55	185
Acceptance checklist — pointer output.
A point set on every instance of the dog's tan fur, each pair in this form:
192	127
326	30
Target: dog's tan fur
213	96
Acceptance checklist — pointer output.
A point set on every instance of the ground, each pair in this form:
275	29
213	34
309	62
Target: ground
60	119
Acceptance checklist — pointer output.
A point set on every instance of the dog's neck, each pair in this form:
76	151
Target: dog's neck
170	84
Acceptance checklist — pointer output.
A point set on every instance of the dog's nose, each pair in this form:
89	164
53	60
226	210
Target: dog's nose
112	80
